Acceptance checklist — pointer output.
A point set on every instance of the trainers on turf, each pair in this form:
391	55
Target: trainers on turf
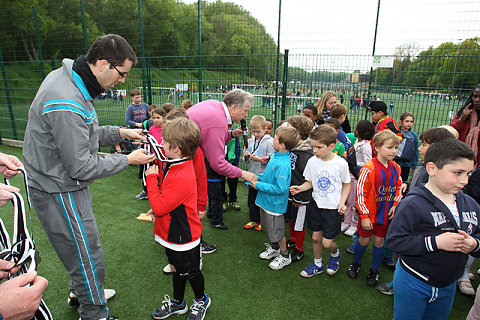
220	226
269	253
350	231
465	287
351	249
389	261
73	301
198	309
386	288
344	226
142	196
207	248
297	255
224	207
251	225
280	262
107	318
168	308
259	227
291	244
372	278
167	269
332	266
353	270
311	270
235	206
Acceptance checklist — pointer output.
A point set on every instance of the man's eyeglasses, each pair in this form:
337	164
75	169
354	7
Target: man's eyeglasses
122	74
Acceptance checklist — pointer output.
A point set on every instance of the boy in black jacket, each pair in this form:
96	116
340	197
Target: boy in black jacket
434	229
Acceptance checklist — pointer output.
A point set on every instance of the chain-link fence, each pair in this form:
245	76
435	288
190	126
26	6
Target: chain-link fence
417	56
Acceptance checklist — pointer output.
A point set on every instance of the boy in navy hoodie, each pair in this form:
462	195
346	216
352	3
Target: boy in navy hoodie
434	229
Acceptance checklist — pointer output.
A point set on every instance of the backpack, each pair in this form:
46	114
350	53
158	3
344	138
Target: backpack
406	149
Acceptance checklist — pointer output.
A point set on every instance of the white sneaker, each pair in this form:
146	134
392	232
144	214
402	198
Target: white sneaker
280	262
350	231
269	253
73	301
167	269
109	293
344	226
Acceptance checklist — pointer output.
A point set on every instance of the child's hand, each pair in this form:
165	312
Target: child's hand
403	187
201	214
246	155
342	208
294	190
367	224
450	241
151	170
150	213
391	212
255	157
469	244
265	160
254	185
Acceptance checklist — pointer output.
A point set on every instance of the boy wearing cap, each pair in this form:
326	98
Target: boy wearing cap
381	120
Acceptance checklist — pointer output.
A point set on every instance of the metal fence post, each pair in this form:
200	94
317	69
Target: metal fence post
284	83
39	43
149	80
142	46
200	85
369	94
277	70
84	26
7	94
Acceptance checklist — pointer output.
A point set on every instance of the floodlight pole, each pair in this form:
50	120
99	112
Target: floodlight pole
142	46
373	54
200	84
455	69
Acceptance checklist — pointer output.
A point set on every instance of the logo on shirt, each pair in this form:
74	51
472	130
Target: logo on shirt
325	183
438	218
386	193
293	159
470	217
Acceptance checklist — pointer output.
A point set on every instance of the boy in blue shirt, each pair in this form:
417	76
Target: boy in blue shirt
434	230
272	197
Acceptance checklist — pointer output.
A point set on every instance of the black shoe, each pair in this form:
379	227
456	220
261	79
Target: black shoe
221	226
291	244
297	255
207	247
373	277
353	270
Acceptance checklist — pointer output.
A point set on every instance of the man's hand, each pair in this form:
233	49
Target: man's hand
6	193
19	302
367	224
238	132
248	176
7	268
9	165
151	169
132	134
140	156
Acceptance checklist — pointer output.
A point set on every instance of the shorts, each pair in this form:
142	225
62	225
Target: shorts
297	216
326	220
187	263
378	230
273	225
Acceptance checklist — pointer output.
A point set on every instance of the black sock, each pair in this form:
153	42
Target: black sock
178	288
198	286
275	246
284	253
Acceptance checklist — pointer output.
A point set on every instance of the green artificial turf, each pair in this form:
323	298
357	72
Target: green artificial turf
240	285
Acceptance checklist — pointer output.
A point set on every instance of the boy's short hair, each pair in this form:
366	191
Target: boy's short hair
135	92
334	122
151	107
186	104
160	111
447	151
451	129
302	124
378	106
288	136
280	123
168	107
184	134
324	134
258	121
338	110
433	135
176	113
380	138
313	108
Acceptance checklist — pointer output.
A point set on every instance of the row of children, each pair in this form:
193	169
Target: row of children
428	239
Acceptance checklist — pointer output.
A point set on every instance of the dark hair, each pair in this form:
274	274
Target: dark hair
168	107
335	122
447	151
135	92
433	135
113	48
268	120
279	123
302	124
468	101
160	111
324	134
313	108
176	113
365	130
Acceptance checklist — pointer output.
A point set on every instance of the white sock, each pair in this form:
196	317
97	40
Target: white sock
318	262
336	254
